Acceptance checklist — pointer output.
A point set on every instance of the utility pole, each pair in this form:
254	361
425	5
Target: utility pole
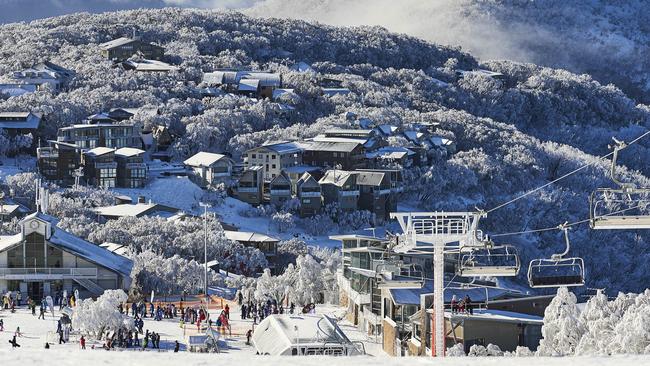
205	250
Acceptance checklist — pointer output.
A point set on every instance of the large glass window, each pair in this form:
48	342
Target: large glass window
34	251
54	257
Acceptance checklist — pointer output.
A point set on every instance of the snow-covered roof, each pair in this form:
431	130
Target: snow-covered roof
20	120
413	135
369	178
333	146
249	85
119	249
387	130
149	65
135	210
115	43
390	152
204	159
335	91
276	334
245	236
82	248
284	147
128	151
99	151
277	93
440	141
301	66
324	138
15	90
8	209
300	169
8	241
411	296
336	177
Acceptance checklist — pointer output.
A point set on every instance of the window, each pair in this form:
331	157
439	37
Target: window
273	156
253	156
273	166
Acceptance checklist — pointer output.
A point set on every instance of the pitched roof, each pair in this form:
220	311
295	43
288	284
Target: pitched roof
336	177
149	65
204	159
390	152
248	85
245	236
135	210
82	248
116	43
20	120
333	146
283	147
369	178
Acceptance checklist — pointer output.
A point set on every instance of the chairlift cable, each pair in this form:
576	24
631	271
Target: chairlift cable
567	225
565	175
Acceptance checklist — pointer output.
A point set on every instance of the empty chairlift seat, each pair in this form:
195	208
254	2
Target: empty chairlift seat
498	261
555	273
620	209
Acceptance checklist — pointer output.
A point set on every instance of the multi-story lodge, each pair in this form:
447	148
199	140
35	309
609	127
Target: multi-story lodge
99	166
131	169
340	187
44	74
274	157
58	162
250	187
341	155
375	194
280	189
210	168
122	48
44	260
90	136
20	123
309	193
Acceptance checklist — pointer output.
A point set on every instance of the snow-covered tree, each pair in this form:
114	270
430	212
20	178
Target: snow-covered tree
94	317
562	329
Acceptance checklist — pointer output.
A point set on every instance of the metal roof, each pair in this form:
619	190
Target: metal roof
204	159
333	146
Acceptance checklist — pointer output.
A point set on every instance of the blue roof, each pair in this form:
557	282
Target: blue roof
411	296
85	249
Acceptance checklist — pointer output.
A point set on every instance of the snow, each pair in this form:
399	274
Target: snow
177	192
128	151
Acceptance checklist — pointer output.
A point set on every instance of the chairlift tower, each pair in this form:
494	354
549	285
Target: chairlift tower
436	231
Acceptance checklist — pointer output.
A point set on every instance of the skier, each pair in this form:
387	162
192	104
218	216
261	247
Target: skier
18	333
82	342
13	342
227	311
42	312
176	346
2	325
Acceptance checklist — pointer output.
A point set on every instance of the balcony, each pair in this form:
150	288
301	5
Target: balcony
220	174
348	193
248	190
309	194
280	192
36	274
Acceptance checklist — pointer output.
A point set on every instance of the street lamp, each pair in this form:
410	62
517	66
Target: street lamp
205	249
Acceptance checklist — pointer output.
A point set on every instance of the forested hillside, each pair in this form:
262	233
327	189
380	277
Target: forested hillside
513	135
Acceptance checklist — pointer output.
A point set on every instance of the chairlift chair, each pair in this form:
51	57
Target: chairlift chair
619	208
557	271
492	261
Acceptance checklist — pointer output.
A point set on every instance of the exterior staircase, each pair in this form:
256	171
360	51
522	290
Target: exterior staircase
90	285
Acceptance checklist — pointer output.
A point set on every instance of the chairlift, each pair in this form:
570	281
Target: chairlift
557	271
415	282
492	261
625	207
